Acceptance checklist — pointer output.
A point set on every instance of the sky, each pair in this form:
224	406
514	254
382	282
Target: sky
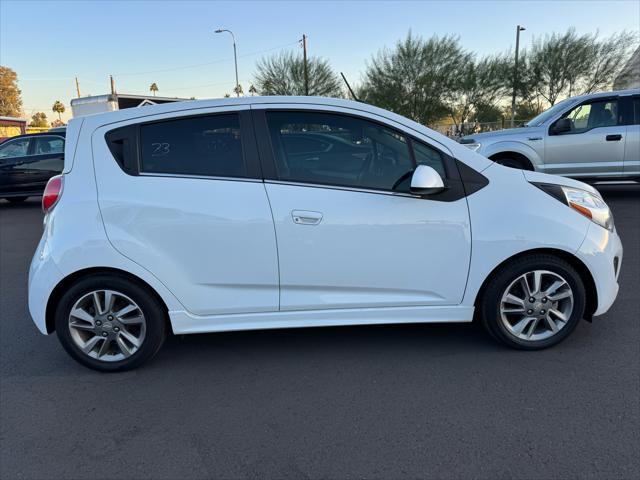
173	44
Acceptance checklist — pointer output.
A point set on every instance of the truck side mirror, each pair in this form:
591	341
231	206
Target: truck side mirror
561	126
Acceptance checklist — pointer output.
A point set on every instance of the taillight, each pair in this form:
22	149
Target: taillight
52	193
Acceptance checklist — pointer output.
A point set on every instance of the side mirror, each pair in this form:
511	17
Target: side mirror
562	125
426	181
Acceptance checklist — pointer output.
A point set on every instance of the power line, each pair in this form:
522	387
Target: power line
196	65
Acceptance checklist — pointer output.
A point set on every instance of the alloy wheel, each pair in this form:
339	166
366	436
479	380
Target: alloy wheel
536	305
107	325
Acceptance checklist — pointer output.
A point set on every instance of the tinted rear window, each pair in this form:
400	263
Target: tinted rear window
204	145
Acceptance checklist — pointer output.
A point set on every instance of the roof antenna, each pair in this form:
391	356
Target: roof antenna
349	87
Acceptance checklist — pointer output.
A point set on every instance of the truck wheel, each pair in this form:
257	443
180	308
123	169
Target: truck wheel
514	163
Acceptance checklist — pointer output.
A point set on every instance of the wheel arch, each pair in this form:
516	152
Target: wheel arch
59	289
513	155
521	150
589	284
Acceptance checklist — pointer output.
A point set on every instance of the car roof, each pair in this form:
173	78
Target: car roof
105	118
39	134
614	93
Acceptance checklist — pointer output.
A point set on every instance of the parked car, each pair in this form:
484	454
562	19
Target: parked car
591	137
282	212
27	162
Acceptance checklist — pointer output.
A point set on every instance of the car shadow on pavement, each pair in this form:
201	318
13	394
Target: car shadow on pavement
432	340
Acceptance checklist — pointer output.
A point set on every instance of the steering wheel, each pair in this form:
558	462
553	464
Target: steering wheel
402	179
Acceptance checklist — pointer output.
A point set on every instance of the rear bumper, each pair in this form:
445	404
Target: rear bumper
44	275
599	252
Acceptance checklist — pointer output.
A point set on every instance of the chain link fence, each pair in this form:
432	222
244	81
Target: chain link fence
469	128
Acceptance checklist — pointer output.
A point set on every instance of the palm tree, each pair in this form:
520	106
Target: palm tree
252	90
58	107
153	88
238	90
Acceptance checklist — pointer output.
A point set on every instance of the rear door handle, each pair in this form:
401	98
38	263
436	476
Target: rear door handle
614	138
305	217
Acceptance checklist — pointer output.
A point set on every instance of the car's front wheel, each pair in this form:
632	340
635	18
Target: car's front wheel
109	323
533	302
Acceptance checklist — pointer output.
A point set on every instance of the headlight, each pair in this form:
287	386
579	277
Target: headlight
585	203
473	146
589	205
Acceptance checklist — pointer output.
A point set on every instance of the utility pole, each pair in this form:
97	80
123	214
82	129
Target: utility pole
113	85
306	70
77	87
515	77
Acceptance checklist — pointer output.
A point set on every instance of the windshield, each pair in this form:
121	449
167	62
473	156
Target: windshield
547	114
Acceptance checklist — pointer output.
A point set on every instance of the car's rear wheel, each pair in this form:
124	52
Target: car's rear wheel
110	323
16	199
534	302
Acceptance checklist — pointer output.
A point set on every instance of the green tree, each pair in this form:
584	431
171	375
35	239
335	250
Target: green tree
238	90
568	64
153	88
39	119
606	60
478	84
10	101
415	77
252	90
283	74
58	107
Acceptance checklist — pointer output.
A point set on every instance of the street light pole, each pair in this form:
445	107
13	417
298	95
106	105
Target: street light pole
235	57
515	77
306	71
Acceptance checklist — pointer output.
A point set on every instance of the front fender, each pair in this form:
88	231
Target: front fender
513	146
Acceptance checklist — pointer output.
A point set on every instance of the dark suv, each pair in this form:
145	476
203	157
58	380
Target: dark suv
27	162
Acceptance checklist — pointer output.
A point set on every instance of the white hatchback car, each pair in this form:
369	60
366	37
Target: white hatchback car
282	212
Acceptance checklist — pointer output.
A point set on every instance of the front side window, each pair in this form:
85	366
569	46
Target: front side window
333	149
428	156
636	110
14	148
593	115
48	145
203	145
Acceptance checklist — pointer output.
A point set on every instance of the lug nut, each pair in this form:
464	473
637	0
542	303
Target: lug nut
544	300
531	299
104	334
116	329
98	322
542	312
110	317
529	311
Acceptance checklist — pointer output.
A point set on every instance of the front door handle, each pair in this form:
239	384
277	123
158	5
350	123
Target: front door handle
614	138
305	217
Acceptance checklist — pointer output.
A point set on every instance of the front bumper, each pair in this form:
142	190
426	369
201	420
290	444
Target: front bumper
601	252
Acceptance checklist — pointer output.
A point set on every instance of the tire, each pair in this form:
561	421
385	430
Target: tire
118	329
16	199
532	328
514	163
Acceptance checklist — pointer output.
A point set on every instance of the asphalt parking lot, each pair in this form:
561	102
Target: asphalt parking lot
431	401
